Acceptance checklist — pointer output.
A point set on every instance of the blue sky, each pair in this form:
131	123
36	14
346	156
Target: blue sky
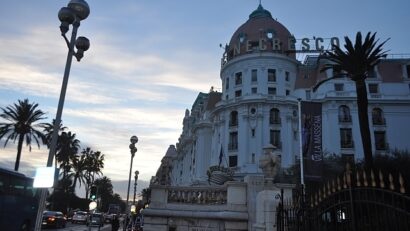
147	62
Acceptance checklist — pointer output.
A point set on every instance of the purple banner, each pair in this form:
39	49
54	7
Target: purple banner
312	139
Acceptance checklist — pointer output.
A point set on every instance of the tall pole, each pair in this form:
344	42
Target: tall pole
135	185
57	121
133	150
129	180
75	11
302	177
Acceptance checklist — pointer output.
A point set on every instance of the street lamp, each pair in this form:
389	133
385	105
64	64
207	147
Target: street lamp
135	185
76	11
133	150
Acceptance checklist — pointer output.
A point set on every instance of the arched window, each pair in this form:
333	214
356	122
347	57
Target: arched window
377	116
274	117
233	119
344	114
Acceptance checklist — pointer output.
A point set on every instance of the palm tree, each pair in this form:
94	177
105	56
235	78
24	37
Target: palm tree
21	125
67	149
48	131
79	169
94	162
357	61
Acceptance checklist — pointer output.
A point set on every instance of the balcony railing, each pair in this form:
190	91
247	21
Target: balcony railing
233	123
347	144
273	120
197	195
277	144
345	119
232	146
382	146
378	121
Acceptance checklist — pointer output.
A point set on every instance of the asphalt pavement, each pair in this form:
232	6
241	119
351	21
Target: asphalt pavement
80	227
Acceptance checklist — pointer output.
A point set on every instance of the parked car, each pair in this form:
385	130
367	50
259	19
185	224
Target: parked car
95	219
53	219
80	217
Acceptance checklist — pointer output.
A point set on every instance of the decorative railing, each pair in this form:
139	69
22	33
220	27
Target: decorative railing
210	196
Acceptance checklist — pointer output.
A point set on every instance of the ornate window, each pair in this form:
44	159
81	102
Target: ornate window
238	93
238	78
344	114
233	119
271	75
380	140
227	83
275	138
373	88
339	87
377	117
274	117
233	161
254	77
271	90
233	141
346	140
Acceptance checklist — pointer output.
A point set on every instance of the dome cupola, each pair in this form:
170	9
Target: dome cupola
260	33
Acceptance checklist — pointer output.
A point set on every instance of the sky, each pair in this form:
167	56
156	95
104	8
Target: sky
147	62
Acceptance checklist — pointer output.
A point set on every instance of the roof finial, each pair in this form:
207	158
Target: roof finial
260	2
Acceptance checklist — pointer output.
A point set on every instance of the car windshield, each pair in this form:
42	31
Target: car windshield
50	213
81	213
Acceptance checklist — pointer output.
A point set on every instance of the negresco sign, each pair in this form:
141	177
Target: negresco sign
315	44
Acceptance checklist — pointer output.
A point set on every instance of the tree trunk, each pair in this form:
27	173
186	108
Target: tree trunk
362	105
19	147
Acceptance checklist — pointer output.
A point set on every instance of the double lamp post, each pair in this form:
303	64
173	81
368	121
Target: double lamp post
73	14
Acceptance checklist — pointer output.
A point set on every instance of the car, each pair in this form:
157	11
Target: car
95	219
80	217
54	219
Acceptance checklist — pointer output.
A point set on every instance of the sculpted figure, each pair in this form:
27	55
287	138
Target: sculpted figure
269	162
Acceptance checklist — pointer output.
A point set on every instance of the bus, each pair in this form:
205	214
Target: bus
18	201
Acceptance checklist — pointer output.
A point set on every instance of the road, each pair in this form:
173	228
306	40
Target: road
80	227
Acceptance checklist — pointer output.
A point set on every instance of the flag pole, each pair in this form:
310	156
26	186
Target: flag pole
302	179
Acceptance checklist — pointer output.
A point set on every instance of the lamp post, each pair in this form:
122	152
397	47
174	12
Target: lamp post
133	150
76	11
135	185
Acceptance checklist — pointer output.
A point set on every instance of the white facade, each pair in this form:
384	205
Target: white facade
239	120
258	106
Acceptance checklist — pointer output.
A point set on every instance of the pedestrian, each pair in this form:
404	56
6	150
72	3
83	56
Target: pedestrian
115	224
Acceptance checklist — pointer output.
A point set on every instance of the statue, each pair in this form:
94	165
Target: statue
269	162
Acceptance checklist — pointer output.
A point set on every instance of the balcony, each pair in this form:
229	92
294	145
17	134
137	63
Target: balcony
347	144
273	120
233	146
378	121
382	146
345	118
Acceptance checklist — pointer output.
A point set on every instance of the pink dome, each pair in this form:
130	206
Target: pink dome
260	33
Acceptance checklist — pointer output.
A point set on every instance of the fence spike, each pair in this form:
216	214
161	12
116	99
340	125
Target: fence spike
311	201
316	203
344	181
333	186
320	195
358	184
372	177
401	181
381	180
348	179
391	184
338	184
328	188
365	183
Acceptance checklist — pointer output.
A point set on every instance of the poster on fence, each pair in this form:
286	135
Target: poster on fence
312	139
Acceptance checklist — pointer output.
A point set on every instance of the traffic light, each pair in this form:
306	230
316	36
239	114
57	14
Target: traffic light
93	192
